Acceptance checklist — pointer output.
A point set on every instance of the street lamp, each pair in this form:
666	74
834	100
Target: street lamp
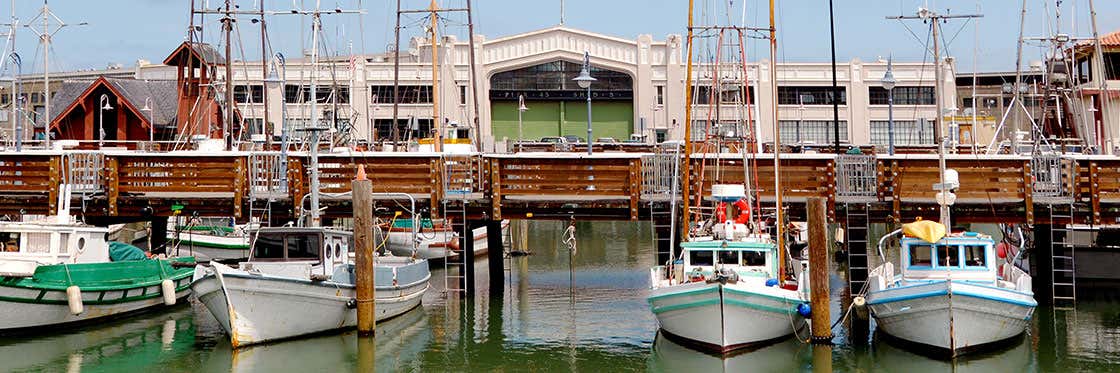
888	83
151	118
520	129
584	80
101	119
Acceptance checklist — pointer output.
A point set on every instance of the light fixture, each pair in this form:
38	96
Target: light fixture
584	79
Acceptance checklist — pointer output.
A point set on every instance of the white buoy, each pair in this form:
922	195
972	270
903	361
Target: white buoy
74	299
168	288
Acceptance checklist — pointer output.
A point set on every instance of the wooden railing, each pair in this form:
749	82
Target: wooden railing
512	184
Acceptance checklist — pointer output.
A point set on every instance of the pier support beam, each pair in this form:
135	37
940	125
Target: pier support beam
158	235
818	271
466	245
363	253
495	257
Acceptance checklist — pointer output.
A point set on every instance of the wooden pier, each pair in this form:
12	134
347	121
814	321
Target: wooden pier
604	186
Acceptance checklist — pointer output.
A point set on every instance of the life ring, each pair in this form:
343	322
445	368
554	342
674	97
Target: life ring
696	277
744	211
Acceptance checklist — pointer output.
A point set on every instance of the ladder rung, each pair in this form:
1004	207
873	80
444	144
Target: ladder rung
1064	298
1063	284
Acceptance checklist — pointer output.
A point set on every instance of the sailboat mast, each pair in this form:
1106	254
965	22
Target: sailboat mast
1018	97
437	142
941	138
314	126
264	73
1102	79
778	213
687	129
227	125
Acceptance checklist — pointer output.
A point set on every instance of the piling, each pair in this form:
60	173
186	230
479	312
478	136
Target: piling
363	252
495	257
157	237
466	244
818	271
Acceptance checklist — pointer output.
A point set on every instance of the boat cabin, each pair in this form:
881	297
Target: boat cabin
964	256
747	259
297	251
456	139
29	245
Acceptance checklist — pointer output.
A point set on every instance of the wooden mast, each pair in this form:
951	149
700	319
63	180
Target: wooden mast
684	176
778	217
437	140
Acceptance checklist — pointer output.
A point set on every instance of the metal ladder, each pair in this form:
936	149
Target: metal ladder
458	183
267	182
856	239
1063	278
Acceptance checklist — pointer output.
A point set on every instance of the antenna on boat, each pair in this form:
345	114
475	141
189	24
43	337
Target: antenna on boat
935	19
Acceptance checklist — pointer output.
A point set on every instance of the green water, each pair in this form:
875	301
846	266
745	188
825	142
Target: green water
543	322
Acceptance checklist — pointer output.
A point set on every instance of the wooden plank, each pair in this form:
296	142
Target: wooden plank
1027	186
1094	191
896	194
240	173
113	178
435	179
831	191
635	187
495	187
295	185
52	185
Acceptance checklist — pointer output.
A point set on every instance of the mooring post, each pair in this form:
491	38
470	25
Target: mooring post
466	243
818	271
363	252
157	236
495	257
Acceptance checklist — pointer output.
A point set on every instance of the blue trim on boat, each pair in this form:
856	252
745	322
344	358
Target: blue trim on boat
681	306
946	292
699	291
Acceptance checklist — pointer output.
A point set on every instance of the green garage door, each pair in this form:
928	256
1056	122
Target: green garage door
559	118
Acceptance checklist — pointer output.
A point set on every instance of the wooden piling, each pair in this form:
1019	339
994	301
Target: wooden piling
818	270
363	249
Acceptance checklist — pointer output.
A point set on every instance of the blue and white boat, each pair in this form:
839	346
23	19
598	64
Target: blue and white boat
953	294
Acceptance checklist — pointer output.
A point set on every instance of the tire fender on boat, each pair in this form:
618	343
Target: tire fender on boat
74	299
167	287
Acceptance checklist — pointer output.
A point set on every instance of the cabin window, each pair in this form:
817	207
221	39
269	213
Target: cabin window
975	256
11	241
948	256
728	257
920	255
63	243
268	247
38	242
753	258
701	258
302	246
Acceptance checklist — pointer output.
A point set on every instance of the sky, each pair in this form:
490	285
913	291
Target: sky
123	31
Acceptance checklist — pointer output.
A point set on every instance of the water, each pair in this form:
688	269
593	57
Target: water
544	322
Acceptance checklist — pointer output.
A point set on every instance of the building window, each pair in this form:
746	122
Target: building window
906	132
248	94
810	96
702	95
811	131
409	94
553	81
463	95
36	97
407	128
324	94
902	96
726	128
660	94
1112	65
1084	70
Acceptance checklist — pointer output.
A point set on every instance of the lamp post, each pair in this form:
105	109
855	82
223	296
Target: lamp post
151	118
520	129
888	84
101	119
584	80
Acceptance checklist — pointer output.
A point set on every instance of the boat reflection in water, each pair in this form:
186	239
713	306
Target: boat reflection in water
399	342
889	356
785	356
134	344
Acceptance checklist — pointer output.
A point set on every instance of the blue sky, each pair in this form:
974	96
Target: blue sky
122	31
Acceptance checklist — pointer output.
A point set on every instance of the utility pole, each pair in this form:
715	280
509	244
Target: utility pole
45	15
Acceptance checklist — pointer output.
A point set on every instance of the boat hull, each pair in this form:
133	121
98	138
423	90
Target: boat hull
255	308
37	304
725	317
434	245
972	317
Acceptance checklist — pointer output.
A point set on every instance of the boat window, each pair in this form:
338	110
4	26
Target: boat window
700	258
975	256
38	242
753	258
268	247
920	255
728	257
948	256
10	240
63	243
302	246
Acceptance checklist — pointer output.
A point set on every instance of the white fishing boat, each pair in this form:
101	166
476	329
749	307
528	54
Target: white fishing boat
434	240
191	233
58	272
953	292
725	291
300	281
